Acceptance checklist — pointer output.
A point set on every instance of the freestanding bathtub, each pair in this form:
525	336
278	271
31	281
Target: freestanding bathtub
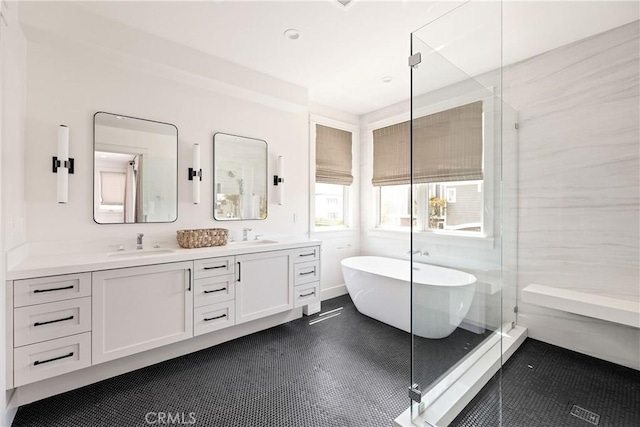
381	288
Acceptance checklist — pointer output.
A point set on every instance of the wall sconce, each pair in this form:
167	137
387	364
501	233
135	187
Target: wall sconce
278	180
62	164
196	172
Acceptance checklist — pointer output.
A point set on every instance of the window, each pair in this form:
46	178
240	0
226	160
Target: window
395	206
330	205
447	174
333	176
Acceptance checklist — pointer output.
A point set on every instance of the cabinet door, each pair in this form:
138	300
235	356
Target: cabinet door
140	308
263	285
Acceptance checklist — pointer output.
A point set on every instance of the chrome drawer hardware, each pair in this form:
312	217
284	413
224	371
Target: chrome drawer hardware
40	362
214	318
52	321
37	291
308	272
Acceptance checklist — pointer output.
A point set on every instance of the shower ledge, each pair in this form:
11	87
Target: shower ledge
597	306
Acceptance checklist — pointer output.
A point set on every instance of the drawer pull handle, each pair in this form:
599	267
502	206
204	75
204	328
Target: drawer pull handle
215	290
37	291
213	268
309	254
52	321
308	272
307	295
40	362
214	318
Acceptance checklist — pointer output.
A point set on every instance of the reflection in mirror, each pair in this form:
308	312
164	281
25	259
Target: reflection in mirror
135	170
240	179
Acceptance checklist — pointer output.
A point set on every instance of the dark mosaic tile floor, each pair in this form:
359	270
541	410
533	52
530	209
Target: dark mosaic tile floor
347	371
540	384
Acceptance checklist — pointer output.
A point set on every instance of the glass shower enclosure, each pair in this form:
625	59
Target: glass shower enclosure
464	219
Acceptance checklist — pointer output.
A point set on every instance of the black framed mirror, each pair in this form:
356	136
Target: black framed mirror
135	170
240	177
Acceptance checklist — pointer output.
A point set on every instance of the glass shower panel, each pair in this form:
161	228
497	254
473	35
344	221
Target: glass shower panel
463	264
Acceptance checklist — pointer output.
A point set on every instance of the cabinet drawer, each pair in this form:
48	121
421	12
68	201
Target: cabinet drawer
306	254
47	359
213	317
307	294
211	267
306	272
45	322
49	289
212	290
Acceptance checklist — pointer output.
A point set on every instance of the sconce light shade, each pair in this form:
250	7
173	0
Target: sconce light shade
62	164
278	180
195	174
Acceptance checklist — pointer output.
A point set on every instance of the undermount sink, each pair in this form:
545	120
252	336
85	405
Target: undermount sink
252	242
139	252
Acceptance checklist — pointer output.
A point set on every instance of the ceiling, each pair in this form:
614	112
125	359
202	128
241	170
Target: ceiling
343	53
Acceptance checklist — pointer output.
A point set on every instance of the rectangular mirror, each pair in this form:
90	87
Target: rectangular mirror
135	170
240	178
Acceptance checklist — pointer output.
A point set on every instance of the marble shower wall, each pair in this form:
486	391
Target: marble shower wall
579	185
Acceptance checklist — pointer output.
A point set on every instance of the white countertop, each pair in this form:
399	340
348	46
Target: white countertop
67	263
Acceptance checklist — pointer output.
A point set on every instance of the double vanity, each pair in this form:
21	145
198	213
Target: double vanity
76	311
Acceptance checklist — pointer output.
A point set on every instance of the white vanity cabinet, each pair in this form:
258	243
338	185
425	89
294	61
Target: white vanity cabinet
91	314
214	294
263	284
140	308
51	326
306	276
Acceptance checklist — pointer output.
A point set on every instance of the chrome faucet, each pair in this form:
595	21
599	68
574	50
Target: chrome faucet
139	241
245	234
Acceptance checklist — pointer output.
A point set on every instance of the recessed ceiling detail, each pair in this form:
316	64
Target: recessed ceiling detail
344	2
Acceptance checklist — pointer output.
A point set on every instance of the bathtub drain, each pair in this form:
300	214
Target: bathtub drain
583	414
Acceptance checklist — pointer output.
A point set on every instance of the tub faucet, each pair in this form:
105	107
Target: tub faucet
139	241
245	234
423	253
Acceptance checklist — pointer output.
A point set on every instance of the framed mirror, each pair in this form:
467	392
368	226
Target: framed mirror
240	177
135	170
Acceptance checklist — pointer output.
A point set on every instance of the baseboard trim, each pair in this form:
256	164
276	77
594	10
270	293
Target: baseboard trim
333	292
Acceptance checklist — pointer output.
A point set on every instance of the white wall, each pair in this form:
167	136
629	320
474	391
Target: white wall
579	189
69	81
12	206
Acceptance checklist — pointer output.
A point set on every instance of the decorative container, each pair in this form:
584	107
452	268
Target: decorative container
202	237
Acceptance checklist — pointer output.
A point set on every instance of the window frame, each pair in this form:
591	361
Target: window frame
489	119
350	191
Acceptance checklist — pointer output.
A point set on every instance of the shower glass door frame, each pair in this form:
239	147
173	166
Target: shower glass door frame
444	78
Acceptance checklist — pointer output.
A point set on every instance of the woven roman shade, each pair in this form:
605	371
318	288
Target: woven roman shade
392	155
447	146
333	156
